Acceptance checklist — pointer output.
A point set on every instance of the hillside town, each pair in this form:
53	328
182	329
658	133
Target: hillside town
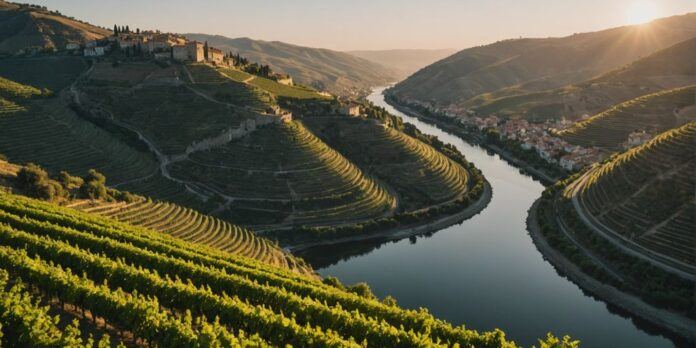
166	46
538	137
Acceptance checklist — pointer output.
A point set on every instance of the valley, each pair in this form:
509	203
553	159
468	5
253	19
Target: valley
171	189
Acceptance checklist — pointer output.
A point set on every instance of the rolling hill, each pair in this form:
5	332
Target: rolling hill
26	27
404	61
669	68
167	218
532	65
645	198
654	113
336	72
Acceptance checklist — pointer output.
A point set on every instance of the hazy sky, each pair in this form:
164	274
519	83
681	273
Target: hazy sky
373	24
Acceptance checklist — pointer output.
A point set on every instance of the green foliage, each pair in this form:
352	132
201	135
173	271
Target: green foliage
35	181
68	181
128	274
552	341
362	290
94	186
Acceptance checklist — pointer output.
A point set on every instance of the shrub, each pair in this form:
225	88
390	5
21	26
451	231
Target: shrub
333	281
36	183
94	186
362	290
68	181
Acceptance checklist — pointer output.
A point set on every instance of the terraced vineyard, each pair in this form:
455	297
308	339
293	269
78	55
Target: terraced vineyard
283	174
654	112
422	175
172	116
139	283
190	225
217	85
52	73
645	197
270	86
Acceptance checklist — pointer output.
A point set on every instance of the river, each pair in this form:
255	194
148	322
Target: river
485	273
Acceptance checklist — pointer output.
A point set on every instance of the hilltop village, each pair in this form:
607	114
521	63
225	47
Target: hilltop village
165	46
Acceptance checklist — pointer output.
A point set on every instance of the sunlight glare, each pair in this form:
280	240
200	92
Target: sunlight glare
642	11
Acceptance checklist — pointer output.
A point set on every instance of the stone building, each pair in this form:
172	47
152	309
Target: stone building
195	51
215	55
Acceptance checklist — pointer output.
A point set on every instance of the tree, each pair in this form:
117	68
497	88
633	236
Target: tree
205	50
127	29
36	183
94	186
137	31
115	30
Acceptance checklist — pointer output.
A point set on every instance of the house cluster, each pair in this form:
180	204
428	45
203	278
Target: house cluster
636	138
538	137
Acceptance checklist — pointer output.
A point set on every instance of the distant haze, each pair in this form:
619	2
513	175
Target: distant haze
373	24
404	62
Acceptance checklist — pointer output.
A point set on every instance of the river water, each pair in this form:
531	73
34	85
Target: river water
485	273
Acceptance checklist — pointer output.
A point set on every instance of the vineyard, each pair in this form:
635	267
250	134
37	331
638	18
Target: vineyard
422	175
146	288
653	113
192	226
270	86
646	195
283	174
217	85
173	117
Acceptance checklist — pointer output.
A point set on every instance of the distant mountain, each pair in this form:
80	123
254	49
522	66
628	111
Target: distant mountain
337	72
405	61
24	26
530	65
669	68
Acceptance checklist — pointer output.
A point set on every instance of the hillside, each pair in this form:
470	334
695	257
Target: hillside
326	70
130	275
23	27
531	65
404	61
654	113
669	68
165	217
645	198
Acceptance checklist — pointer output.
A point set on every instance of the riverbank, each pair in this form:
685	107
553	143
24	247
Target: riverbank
477	139
408	231
673	322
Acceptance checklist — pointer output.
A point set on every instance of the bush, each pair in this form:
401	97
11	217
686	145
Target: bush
68	181
94	186
362	290
36	183
333	281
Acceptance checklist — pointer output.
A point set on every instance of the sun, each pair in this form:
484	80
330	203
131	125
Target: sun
642	11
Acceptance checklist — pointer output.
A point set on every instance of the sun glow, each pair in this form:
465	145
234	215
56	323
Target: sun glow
642	11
